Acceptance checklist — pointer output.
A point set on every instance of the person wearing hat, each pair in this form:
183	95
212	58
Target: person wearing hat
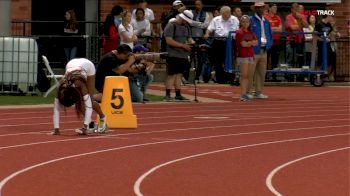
262	29
177	35
177	8
144	76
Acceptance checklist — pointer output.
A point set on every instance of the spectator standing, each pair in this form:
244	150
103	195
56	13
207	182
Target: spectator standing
309	46
295	22
324	26
273	55
126	31
142	27
262	29
333	53
220	26
236	11
70	30
245	40
148	13
177	8
177	35
111	36
198	27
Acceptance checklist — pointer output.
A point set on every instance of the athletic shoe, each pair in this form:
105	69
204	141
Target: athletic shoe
92	127
104	130
55	132
81	131
181	98
244	98
102	125
168	98
261	96
250	96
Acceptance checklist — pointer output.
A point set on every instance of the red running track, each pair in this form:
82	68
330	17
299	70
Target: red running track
295	143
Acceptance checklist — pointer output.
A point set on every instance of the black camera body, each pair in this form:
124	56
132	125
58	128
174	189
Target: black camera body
141	67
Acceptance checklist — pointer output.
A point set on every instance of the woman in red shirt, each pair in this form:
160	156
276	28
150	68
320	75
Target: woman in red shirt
245	40
111	38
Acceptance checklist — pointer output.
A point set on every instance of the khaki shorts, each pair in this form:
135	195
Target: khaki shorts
245	60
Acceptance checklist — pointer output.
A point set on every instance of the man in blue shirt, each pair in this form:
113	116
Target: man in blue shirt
262	29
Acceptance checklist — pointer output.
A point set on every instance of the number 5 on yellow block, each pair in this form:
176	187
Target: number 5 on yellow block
116	103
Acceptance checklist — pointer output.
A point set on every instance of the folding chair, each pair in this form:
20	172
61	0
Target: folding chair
51	75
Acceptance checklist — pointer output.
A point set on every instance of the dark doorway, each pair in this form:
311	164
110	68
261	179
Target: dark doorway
48	18
52	12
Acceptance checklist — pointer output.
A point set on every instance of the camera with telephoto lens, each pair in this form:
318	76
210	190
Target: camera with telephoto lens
141	67
151	56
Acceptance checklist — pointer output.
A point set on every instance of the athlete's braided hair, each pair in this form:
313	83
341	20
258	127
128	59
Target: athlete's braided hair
68	93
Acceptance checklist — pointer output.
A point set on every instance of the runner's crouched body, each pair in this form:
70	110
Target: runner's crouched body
76	88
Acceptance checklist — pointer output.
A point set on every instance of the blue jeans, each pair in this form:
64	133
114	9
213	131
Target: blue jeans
136	95
145	80
71	53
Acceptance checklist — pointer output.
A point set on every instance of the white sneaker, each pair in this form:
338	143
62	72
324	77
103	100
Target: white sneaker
102	125
261	96
81	131
250	96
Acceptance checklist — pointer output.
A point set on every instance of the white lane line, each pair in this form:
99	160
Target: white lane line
277	169
235	114
11	176
211	112
185	129
191	121
211	117
171	130
138	182
294	105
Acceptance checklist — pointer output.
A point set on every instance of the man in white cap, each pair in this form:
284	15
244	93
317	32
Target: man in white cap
262	30
177	8
177	35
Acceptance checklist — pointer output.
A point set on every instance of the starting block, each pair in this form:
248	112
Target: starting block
116	103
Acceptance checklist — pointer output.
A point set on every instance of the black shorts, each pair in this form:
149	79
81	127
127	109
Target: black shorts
176	65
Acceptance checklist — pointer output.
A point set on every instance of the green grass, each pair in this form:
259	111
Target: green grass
26	99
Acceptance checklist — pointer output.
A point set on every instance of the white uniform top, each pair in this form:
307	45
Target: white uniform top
149	15
222	27
85	66
129	32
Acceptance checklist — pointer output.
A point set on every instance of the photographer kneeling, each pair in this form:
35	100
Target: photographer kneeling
145	68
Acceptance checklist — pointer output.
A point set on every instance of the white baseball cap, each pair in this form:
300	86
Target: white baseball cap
177	2
187	15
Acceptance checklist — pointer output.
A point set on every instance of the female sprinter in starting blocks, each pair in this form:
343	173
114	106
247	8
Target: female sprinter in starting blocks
77	87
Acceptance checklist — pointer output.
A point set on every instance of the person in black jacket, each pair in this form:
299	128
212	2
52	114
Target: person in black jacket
70	43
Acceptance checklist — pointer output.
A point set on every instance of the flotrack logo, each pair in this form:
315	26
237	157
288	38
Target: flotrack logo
319	12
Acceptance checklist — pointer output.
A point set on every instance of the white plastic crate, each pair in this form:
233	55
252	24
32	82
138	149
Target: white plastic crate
18	62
